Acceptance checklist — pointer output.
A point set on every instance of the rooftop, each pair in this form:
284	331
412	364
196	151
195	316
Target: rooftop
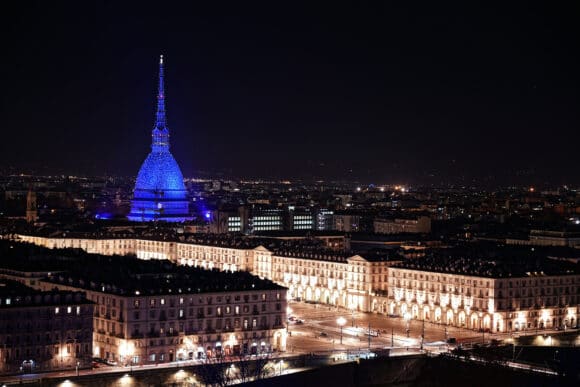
125	275
486	261
14	294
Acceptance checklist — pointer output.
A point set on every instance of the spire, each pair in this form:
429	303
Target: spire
160	119
160	135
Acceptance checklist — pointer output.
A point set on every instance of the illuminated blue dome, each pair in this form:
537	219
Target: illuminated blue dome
159	190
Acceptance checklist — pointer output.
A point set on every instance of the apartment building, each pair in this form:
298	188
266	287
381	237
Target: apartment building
483	296
43	330
179	313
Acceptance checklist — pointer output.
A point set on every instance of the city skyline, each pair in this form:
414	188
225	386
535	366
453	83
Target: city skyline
353	93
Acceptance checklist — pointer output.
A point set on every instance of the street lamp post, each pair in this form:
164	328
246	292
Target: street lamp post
341	321
288	314
78	364
281	362
408	320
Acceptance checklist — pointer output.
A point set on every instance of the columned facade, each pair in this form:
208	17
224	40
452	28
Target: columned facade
483	303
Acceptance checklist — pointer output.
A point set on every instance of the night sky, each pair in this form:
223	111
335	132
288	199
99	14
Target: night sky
373	93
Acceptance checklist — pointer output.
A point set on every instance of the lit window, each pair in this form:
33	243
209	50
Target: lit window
56	310
68	309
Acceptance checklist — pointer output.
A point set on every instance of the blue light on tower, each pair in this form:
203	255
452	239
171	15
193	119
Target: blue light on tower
159	190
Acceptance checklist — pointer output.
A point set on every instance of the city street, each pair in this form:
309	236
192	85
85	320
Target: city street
321	331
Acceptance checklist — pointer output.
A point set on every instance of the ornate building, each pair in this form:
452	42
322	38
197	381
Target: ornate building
133	311
489	300
352	282
437	293
159	190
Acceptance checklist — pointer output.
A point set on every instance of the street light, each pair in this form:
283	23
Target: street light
288	313
341	321
78	364
281	362
408	319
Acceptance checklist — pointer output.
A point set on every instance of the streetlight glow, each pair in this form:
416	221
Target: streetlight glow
407	317
341	321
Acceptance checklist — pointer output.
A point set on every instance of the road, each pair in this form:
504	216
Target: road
392	332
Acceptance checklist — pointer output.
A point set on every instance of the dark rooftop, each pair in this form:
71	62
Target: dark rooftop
15	294
124	275
491	260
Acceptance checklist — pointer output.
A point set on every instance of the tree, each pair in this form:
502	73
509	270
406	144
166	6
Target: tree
214	373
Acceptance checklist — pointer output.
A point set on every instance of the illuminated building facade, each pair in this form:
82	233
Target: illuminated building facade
495	304
43	331
349	282
471	300
159	190
181	314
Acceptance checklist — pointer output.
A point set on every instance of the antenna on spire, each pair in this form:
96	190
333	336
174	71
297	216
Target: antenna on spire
160	115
